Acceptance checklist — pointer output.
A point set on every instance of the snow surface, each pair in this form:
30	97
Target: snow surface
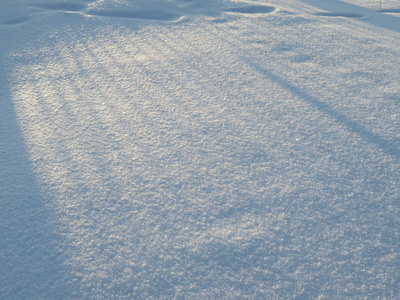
199	149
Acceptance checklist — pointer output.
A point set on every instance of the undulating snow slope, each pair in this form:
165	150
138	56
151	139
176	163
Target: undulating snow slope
199	149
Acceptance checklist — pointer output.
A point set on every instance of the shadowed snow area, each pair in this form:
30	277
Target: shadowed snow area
358	9
67	6
139	14
346	15
196	149
31	266
252	9
164	10
393	10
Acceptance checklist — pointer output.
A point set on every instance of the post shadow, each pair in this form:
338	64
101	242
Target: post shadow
351	125
31	264
378	19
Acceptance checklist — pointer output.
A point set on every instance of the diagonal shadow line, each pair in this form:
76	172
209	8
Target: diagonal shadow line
379	20
351	125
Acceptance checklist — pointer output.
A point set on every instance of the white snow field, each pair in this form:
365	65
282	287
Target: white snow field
199	149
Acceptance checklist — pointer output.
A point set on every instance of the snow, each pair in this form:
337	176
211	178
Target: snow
199	149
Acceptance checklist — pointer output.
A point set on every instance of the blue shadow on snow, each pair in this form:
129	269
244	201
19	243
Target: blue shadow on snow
31	265
382	19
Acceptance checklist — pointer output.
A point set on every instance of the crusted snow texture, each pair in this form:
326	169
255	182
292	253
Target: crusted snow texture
199	149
